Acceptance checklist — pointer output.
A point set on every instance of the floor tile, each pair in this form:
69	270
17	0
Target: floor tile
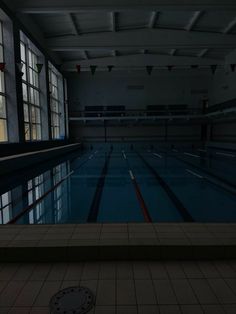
47	291
107	270
124	270
164	292
214	309
222	291
191	309
141	270
105	310
145	292
125	292
126	310
28	294
203	291
169	309
106	293
183	291
148	309
10	293
157	270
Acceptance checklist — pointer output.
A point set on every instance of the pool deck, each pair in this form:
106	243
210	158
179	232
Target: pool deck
131	241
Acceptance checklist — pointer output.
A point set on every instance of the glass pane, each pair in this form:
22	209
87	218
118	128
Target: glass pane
3	130
25	93
22	52
38	126
2	107
2	83
26	113
24	72
27	132
5	199
36	98
33	117
6	214
1	39
31	95
1	53
34	133
37	115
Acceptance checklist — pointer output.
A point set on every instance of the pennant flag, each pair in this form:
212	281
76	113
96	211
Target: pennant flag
20	66
2	66
93	69
149	69
170	67
110	67
78	68
194	66
233	67
39	67
213	68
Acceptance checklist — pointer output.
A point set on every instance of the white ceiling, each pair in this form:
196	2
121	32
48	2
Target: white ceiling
129	33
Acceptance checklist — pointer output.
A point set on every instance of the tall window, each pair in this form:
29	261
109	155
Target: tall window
31	94
35	191
3	111
54	101
5	208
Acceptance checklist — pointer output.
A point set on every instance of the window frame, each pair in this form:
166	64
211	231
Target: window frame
3	93
55	114
31	90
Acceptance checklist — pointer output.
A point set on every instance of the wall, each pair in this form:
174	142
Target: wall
222	89
161	88
111	88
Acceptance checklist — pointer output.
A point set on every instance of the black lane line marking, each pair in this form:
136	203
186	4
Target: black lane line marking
224	181
217	181
178	204
140	198
39	200
94	208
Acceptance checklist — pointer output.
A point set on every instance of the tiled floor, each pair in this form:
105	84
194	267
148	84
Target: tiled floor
138	287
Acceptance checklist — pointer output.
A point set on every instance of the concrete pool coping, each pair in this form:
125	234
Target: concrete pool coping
13	163
128	241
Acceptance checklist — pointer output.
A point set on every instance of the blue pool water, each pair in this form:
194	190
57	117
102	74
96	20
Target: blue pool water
123	184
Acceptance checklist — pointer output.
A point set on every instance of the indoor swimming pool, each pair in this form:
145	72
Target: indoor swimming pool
123	184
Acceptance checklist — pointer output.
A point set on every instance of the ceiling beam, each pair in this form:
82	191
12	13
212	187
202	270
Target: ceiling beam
153	19
72	6
114	18
151	39
203	53
193	21
73	23
230	27
173	52
86	56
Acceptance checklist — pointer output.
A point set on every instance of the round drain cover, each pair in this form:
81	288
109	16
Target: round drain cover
73	300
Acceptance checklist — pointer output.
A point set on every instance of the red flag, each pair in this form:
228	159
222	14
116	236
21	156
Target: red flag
93	69
78	68
233	66
110	67
2	66
213	68
39	67
149	69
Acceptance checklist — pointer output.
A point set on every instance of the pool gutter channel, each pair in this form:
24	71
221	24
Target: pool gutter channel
140	241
